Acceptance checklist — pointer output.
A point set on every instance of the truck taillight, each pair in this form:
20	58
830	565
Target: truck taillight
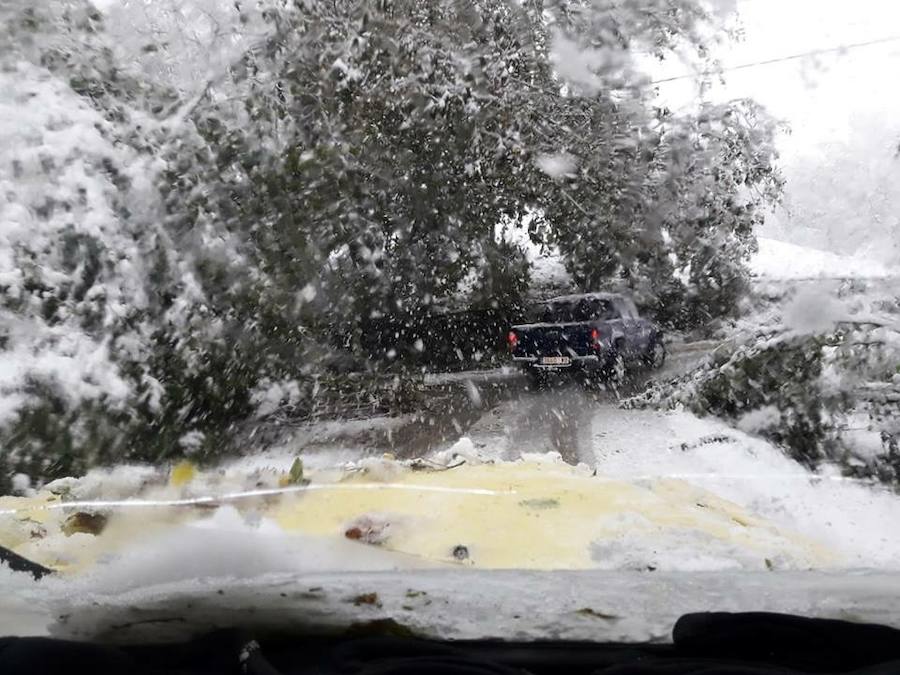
595	338
512	340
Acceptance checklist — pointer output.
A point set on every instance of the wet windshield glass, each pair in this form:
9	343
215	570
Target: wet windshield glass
341	311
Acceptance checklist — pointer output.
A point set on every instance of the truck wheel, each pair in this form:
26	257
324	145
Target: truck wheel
615	370
537	379
655	357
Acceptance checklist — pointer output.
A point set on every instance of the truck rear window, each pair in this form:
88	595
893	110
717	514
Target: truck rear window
587	309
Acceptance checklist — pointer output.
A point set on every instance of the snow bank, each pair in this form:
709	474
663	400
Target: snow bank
813	309
549	271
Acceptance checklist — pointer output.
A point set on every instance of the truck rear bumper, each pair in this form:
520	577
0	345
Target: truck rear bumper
583	362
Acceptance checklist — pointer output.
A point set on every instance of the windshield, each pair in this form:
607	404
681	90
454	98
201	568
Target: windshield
287	294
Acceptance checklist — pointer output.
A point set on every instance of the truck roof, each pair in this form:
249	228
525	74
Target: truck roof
579	296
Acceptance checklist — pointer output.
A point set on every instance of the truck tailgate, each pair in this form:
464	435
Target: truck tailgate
536	340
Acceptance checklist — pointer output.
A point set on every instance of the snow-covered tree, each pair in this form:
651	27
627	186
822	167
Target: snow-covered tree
111	348
79	214
388	142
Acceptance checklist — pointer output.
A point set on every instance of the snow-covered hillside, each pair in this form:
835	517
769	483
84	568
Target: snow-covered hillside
783	260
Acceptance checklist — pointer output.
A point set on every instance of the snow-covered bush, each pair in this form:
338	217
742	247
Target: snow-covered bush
79	218
818	377
112	345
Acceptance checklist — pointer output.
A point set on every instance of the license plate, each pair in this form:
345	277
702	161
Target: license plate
555	361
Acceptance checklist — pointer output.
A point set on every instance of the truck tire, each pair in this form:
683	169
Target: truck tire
537	379
655	358
614	371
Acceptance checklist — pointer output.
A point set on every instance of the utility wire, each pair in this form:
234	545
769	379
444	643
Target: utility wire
766	62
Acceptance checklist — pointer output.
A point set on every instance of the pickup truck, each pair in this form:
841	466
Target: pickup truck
595	335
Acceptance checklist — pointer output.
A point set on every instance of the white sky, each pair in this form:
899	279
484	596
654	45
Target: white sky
817	96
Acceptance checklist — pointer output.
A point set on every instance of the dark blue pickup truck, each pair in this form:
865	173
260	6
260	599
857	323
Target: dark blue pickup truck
595	335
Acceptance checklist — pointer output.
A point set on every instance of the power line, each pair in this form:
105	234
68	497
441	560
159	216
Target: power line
792	57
